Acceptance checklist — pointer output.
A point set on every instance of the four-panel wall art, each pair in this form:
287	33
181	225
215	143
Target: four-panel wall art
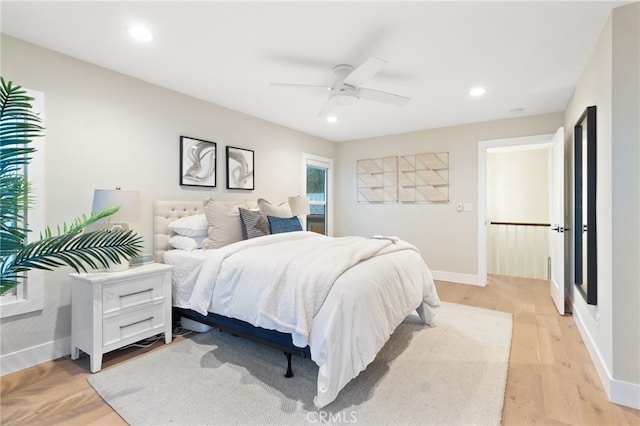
419	178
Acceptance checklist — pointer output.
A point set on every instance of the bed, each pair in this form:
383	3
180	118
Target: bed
334	300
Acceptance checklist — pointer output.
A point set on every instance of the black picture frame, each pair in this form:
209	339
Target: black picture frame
240	168
198	160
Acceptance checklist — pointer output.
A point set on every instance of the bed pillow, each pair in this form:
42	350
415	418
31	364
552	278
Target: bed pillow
181	242
190	226
225	226
278	225
268	209
254	223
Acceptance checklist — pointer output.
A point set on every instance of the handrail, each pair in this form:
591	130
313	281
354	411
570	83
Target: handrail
520	224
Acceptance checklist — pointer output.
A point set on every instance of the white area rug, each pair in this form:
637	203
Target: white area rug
451	374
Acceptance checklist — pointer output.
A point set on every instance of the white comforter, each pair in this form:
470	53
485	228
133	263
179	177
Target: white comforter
341	296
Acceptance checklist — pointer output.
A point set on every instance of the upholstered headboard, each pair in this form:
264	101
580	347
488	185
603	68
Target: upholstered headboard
165	212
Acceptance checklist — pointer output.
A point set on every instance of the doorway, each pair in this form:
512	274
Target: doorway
318	188
518	187
556	207
526	142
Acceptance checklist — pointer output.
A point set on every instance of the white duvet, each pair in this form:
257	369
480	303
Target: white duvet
341	296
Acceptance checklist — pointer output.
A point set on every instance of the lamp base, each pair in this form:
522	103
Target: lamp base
118	267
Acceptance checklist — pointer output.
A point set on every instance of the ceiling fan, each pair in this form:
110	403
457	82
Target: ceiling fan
347	90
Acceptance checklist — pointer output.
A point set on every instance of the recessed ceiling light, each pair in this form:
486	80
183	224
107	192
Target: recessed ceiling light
140	33
478	91
332	119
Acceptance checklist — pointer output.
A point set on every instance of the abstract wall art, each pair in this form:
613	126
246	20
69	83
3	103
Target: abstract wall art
197	162
240	168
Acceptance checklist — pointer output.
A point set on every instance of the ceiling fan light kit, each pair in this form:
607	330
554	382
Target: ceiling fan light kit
346	89
344	96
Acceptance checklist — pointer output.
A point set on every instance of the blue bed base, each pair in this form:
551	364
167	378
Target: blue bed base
275	339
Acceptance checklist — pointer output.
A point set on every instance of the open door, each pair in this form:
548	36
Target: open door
556	239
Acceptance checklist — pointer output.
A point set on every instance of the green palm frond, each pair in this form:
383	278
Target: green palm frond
18	124
68	246
96	249
80	223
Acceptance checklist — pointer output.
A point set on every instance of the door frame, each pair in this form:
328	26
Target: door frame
483	146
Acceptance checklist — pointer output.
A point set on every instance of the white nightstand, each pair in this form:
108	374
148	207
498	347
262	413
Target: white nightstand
114	309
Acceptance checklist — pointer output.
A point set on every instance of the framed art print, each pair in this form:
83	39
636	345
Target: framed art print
240	173
197	162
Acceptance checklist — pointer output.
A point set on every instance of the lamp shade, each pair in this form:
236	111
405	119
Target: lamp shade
299	206
128	201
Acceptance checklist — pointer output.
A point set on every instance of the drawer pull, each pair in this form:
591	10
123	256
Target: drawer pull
137	322
135	292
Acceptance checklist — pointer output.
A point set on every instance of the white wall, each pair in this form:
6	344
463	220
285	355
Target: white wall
518	185
611	330
625	183
103	130
446	238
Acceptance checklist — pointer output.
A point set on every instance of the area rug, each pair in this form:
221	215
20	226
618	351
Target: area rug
452	373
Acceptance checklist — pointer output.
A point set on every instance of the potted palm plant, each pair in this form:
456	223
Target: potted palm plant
69	245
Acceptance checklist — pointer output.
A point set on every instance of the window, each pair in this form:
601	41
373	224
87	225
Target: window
318	183
29	296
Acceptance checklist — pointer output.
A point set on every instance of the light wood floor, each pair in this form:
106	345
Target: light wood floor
551	380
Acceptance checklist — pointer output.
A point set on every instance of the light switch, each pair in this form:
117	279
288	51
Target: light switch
468	207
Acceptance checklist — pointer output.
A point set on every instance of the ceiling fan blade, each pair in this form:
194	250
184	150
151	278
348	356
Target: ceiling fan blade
327	108
300	86
364	72
380	96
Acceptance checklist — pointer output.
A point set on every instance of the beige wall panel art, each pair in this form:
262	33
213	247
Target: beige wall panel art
407	179
420	178
378	180
424	178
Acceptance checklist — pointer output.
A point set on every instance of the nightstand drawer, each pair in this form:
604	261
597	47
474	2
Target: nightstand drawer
116	297
129	324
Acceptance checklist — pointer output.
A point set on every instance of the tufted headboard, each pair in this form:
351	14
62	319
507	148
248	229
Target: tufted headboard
165	212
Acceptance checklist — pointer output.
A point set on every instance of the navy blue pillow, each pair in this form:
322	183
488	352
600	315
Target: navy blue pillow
278	225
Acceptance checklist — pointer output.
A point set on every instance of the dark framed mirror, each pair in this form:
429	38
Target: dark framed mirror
585	240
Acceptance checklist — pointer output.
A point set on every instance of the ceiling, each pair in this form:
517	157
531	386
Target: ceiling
528	55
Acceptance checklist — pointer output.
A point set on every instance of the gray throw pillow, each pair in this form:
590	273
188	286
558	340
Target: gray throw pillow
254	224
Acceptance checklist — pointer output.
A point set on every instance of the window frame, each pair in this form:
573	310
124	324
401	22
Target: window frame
29	296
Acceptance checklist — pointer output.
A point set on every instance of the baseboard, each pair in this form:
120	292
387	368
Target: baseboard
625	393
29	357
618	391
455	277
